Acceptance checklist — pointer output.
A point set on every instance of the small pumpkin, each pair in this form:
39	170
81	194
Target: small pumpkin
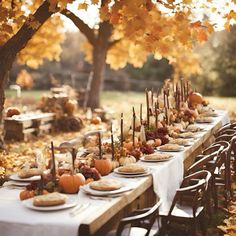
158	142
127	160
96	120
12	111
71	183
70	107
26	194
104	166
195	98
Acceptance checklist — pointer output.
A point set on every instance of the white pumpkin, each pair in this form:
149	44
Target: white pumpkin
127	160
115	164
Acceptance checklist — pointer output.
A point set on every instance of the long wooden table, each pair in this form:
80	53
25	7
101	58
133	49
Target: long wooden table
102	221
102	215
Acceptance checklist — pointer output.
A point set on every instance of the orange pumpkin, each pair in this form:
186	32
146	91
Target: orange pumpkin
71	183
26	194
96	120
195	98
70	107
104	166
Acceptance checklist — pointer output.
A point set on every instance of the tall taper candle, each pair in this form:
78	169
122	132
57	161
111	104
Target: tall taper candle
100	145
112	144
134	116
156	115
53	171
121	130
141	114
147	103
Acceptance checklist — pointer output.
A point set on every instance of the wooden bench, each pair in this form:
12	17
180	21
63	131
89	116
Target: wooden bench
21	127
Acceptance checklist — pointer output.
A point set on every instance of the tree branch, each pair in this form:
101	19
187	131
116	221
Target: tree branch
88	32
111	44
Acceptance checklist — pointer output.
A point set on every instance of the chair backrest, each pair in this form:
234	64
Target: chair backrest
192	194
225	144
148	217
212	149
203	163
225	137
231	126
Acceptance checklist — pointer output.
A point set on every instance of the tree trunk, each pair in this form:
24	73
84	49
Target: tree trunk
15	44
100	48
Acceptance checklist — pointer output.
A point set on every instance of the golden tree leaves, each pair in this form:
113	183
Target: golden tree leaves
24	80
33	23
83	6
45	44
229	227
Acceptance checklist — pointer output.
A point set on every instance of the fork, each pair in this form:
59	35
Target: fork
79	209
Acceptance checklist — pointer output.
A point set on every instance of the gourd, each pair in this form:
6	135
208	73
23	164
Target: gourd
104	166
127	160
26	194
195	98
12	111
115	164
158	142
71	183
70	107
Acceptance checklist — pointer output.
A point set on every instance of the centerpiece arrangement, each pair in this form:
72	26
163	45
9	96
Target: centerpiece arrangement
167	125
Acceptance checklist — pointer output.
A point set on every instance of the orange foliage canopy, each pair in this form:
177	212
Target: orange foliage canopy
167	29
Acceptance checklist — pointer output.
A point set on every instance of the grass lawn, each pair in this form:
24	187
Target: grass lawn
124	101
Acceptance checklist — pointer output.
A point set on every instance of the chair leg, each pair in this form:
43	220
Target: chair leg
194	227
202	220
163	229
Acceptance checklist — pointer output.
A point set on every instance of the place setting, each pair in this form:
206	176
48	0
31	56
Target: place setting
156	157
170	148
105	188
132	171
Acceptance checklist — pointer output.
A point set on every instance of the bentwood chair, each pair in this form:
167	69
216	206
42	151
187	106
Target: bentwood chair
209	162
216	149
225	127
225	137
139	223
188	205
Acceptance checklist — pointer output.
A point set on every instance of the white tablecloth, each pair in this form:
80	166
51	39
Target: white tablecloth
17	220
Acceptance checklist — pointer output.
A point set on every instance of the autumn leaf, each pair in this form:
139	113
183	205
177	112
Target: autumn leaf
83	6
95	2
202	35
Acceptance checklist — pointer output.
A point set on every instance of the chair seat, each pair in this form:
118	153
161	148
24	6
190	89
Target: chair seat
133	231
185	211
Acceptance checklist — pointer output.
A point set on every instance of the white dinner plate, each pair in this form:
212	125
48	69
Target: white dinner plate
132	176
69	203
204	121
116	170
86	189
17	178
176	150
161	160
